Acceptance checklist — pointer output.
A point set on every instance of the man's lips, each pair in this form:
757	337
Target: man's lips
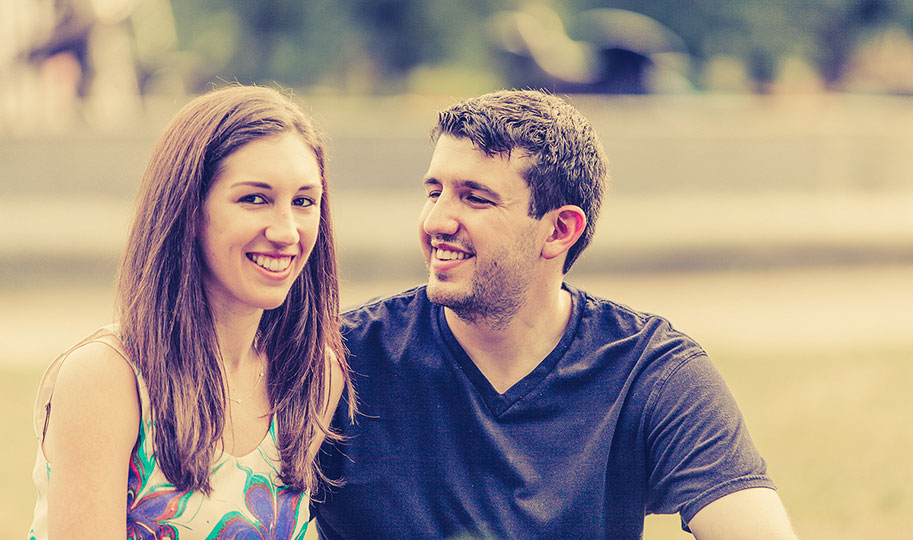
443	254
445	251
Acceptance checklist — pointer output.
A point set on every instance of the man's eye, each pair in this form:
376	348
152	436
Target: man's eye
433	195
252	199
477	200
303	202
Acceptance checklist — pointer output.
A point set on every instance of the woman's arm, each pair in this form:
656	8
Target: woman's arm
335	384
92	429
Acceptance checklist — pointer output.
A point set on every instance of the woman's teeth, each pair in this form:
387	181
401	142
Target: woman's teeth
273	264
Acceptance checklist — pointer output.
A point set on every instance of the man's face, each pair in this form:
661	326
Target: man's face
480	244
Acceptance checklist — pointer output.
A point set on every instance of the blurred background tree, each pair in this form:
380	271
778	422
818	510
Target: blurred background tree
378	46
359	47
114	52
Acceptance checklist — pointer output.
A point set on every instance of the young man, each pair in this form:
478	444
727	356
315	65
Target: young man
498	401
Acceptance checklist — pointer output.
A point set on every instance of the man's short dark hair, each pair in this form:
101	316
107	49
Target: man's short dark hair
567	162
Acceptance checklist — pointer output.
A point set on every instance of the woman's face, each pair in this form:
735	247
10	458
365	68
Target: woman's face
260	222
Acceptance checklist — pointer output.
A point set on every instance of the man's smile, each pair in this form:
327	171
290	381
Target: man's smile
442	254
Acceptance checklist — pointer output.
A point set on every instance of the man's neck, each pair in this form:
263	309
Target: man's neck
510	351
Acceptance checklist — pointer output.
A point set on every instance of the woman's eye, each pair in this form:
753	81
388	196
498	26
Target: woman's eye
252	199
303	202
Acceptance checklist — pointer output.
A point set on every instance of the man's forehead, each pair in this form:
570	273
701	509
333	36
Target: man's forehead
518	156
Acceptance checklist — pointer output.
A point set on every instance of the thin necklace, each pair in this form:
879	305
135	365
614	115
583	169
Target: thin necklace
256	384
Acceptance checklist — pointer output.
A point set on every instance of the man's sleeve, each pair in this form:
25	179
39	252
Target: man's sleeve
698	445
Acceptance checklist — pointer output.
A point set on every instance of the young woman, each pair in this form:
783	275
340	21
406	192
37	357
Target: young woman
200	413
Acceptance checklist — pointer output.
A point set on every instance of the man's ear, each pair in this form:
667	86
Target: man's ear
567	224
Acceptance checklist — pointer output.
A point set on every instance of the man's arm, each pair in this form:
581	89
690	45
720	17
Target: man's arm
750	514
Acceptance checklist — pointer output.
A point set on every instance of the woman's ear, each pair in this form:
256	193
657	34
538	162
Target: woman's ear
567	223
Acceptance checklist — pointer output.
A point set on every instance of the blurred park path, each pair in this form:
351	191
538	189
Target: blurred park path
715	186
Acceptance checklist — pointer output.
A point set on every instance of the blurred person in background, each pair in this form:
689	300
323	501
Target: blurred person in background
65	63
498	401
199	414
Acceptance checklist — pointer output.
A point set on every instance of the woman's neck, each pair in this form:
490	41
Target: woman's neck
235	333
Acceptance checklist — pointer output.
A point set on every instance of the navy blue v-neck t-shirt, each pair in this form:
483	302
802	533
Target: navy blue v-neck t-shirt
625	417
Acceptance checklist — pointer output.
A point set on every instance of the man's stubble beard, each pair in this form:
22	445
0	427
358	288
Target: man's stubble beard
497	290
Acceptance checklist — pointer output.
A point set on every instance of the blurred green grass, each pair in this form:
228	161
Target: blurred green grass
832	425
17	496
725	215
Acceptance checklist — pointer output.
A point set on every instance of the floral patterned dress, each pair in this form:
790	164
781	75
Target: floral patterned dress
247	500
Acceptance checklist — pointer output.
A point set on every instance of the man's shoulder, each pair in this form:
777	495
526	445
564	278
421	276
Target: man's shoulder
601	308
601	315
392	327
386	309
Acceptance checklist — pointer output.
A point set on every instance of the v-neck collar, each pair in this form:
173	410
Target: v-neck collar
499	403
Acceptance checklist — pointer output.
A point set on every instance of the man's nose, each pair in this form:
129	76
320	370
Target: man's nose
440	216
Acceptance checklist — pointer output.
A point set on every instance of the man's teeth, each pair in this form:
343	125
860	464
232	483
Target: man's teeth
447	255
273	264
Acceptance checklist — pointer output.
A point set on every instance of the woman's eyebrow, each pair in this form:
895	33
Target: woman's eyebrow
264	185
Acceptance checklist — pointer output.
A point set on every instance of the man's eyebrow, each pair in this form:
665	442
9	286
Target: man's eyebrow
476	186
466	184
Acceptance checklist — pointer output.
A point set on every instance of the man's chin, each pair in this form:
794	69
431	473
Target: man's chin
444	294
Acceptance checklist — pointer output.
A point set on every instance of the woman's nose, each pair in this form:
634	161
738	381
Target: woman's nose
282	228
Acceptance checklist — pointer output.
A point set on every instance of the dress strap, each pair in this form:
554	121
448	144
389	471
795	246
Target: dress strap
42	409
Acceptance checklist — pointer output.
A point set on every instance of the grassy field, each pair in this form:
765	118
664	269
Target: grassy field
830	427
17	497
820	362
819	358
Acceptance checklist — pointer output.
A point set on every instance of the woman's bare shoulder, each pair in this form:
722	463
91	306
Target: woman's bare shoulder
94	398
96	367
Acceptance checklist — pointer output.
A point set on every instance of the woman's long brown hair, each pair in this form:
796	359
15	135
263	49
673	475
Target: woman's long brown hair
165	319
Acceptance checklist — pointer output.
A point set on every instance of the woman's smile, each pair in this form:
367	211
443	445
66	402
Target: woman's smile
271	263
